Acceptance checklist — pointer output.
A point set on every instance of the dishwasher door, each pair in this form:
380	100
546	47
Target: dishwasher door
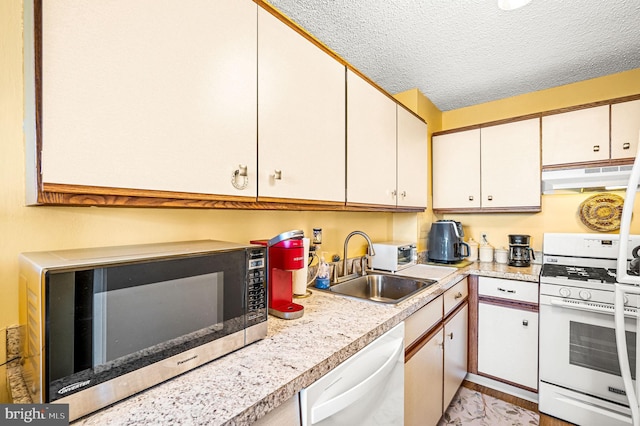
367	388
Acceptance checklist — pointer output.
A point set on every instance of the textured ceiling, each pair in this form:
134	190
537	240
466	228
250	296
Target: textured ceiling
465	52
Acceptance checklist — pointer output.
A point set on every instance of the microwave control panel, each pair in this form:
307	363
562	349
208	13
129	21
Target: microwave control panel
256	285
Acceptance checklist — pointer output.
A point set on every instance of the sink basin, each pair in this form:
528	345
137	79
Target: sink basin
380	288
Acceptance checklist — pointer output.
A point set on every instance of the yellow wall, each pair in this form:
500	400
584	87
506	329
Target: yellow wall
583	92
559	212
43	228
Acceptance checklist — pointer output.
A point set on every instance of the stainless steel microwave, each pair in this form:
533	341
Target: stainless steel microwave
105	323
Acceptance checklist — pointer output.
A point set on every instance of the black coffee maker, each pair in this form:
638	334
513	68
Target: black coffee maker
520	254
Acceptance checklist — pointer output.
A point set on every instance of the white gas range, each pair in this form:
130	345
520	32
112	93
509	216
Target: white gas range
580	378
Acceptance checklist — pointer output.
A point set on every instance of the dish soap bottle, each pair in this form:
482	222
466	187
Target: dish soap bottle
322	280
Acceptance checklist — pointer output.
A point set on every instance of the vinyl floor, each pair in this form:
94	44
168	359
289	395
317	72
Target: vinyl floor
475	405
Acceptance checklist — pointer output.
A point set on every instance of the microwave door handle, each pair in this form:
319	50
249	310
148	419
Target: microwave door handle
623	357
625	224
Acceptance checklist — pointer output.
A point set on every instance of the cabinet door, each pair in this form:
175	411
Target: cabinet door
456	170
371	144
508	344
423	384
576	136
510	164
131	99
455	354
625	129
413	160
301	105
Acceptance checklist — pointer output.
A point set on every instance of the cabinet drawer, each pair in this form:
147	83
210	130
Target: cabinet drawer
521	291
422	320
455	295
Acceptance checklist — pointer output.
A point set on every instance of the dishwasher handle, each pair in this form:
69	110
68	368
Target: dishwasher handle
342	401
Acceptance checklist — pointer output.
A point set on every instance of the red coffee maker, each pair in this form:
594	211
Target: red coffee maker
285	254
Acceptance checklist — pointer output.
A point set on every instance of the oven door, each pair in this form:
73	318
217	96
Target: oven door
578	347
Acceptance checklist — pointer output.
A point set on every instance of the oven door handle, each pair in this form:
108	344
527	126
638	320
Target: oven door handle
581	306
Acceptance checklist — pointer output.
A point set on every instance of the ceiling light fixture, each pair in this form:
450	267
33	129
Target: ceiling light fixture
512	4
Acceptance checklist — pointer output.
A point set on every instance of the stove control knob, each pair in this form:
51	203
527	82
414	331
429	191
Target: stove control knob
626	300
565	292
585	295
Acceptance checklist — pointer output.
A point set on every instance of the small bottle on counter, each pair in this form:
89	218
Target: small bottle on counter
322	280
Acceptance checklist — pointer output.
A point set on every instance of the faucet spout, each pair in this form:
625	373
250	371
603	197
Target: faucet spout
370	250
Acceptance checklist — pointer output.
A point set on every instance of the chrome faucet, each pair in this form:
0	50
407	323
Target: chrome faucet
370	252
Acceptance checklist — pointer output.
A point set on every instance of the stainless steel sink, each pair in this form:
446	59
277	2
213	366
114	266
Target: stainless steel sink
380	288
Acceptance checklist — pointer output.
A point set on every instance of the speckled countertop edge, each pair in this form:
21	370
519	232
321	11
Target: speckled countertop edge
243	386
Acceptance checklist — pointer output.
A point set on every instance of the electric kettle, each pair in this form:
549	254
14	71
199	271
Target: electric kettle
445	242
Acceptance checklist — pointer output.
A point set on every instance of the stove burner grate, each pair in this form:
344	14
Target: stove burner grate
579	273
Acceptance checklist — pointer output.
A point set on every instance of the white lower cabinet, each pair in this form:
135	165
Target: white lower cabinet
455	354
423	370
507	329
508	344
436	360
422	377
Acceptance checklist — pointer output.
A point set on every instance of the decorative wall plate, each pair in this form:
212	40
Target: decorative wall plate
601	212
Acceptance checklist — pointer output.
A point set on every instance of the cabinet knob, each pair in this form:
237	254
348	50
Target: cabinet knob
394	193
626	145
277	174
470	197
404	194
506	290
525	323
458	295
596	148
490	197
450	335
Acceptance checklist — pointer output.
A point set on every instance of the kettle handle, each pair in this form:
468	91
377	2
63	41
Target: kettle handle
634	252
533	256
466	248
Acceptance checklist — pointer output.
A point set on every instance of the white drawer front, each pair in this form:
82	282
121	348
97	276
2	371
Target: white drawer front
455	295
521	291
422	320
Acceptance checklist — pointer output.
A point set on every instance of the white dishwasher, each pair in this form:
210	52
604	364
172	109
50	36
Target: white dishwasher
367	388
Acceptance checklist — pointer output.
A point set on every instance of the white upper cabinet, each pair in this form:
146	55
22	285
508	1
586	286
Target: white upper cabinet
625	129
301	105
413	160
148	95
576	136
510	164
371	144
456	170
491	167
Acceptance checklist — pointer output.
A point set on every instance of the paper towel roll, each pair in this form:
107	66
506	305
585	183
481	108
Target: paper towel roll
300	275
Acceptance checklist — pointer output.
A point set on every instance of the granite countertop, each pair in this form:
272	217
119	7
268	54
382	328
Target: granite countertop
241	387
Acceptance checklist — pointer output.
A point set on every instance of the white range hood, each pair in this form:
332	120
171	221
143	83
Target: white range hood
586	179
